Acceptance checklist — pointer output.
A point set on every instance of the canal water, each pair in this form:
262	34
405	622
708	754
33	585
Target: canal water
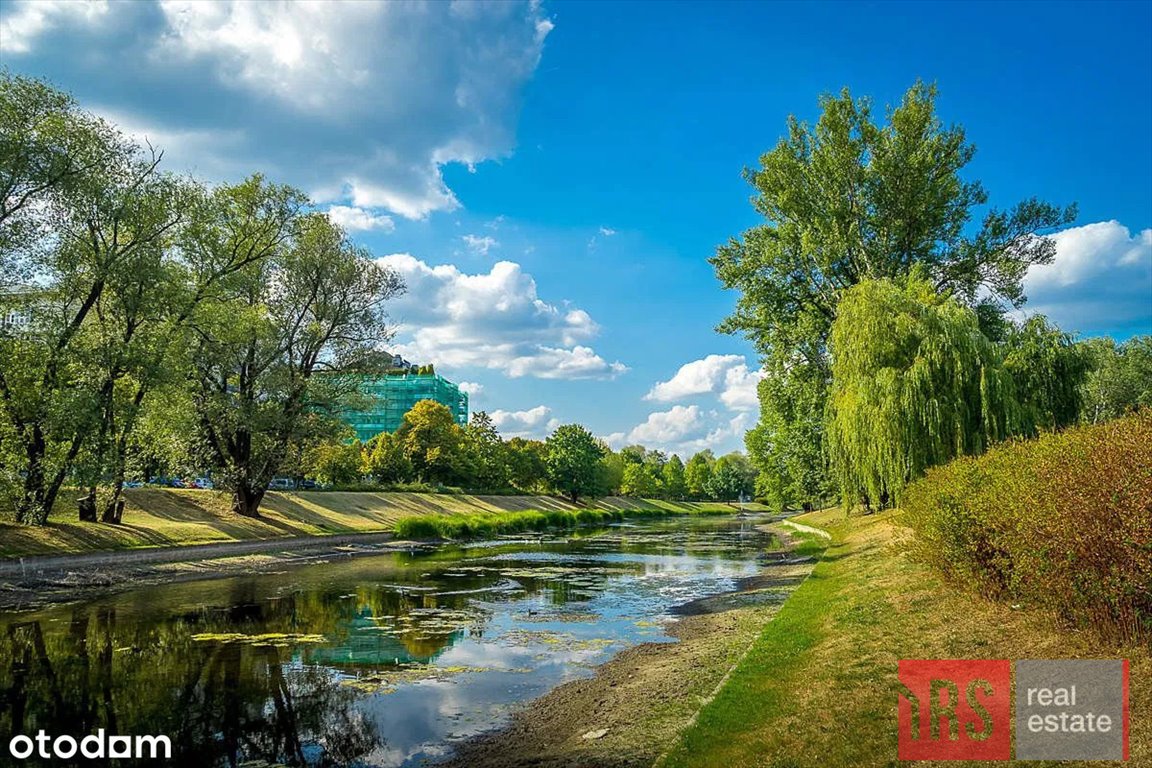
378	660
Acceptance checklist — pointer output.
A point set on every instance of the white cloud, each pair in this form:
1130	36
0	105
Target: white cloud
22	22
673	426
607	232
480	244
471	387
492	320
1100	280
532	423
359	219
725	375
359	103
686	429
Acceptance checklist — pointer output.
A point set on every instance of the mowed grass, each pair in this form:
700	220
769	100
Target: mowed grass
818	688
175	517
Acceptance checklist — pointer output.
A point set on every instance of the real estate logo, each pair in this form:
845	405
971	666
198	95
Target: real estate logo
1066	709
955	710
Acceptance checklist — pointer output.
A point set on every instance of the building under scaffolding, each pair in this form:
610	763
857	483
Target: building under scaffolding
387	398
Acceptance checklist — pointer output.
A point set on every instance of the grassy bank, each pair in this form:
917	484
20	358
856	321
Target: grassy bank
818	688
171	517
488	523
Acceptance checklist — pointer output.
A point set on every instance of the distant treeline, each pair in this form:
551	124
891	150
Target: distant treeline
431	449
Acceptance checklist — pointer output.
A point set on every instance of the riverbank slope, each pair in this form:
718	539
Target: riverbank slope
818	687
162	517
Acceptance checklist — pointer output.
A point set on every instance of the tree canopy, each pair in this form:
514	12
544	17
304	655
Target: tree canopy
850	199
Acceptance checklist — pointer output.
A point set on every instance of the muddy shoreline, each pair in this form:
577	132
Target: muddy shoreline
632	710
42	582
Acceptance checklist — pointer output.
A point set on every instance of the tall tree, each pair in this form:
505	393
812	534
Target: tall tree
733	478
640	481
386	461
914	383
314	305
486	458
1048	370
432	441
698	473
84	213
527	467
573	459
674	485
1119	380
846	200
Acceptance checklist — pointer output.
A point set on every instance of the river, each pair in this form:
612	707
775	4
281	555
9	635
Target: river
379	660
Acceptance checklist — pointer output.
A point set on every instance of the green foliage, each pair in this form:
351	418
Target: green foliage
1120	378
527	468
334	463
914	384
698	474
639	480
847	200
733	477
86	224
1063	521
786	445
573	460
488	524
672	479
386	461
1048	371
485	456
307	300
432	441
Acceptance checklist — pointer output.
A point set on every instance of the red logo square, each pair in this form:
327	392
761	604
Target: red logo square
955	709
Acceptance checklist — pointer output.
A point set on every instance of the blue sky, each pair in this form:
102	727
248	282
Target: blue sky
551	177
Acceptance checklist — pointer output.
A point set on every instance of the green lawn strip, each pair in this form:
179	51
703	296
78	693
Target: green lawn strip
725	726
818	687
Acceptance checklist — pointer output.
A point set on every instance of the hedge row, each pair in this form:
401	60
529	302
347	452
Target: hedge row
1063	521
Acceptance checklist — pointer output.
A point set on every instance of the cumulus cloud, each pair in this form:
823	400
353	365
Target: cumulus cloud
1100	280
726	376
471	387
607	231
532	423
360	104
725	390
479	244
23	22
494	320
359	220
686	429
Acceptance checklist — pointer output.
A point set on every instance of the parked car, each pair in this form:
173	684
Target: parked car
309	485
282	484
204	483
133	484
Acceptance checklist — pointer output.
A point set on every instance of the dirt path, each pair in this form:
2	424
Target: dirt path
637	704
34	582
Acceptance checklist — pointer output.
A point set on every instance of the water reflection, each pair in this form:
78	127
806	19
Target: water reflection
380	661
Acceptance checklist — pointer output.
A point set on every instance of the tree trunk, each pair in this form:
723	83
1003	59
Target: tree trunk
246	500
114	503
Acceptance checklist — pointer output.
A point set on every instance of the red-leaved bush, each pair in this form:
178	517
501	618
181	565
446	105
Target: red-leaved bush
1062	521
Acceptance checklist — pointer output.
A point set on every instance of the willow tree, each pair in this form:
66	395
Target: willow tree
849	199
914	383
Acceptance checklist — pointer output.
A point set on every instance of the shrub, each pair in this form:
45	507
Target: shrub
1063	521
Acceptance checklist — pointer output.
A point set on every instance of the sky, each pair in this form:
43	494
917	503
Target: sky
550	178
